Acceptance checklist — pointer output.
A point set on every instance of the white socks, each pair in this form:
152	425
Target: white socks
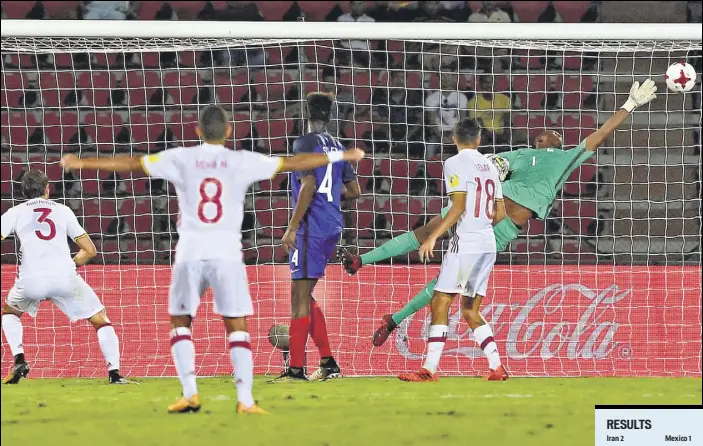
240	353
435	345
484	337
110	346
183	352
12	327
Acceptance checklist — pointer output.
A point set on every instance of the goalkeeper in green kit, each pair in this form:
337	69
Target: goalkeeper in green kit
532	178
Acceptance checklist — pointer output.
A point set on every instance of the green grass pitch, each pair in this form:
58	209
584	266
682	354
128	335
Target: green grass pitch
363	411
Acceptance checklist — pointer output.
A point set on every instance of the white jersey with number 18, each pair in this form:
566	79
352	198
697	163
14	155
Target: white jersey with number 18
42	227
211	183
470	172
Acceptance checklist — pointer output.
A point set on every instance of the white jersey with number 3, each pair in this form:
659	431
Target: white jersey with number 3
470	172
42	227
211	183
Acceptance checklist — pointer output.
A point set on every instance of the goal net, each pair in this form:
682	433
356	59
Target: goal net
608	284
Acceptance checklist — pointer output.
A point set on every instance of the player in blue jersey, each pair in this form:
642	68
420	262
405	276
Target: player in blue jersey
312	236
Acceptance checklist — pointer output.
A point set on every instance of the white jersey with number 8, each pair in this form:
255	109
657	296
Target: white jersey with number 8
211	183
42	227
472	173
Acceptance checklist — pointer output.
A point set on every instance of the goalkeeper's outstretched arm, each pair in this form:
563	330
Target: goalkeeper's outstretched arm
639	95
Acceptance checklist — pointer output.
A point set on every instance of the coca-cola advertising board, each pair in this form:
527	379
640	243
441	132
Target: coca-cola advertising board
548	320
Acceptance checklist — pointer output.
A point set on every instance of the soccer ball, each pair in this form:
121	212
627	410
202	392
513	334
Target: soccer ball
278	337
501	164
680	77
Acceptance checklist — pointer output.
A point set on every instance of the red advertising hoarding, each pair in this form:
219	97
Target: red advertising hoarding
548	321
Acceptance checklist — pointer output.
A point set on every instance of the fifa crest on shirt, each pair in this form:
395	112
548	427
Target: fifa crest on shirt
454	181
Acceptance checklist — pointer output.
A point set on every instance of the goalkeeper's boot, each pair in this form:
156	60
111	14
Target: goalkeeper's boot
19	370
351	262
499	374
384	330
114	377
329	369
422	375
252	410
184	405
291	375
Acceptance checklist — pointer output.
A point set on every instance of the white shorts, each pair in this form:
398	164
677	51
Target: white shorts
226	277
75	298
466	274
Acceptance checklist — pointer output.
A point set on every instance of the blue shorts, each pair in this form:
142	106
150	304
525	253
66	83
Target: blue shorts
309	259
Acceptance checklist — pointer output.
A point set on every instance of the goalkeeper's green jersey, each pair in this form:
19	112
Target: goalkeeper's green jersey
537	175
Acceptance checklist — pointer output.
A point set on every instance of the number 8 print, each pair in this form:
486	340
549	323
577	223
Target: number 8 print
214	199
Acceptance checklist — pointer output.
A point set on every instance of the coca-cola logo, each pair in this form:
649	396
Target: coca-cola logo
568	321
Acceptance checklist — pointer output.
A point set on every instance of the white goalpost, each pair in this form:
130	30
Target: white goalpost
608	285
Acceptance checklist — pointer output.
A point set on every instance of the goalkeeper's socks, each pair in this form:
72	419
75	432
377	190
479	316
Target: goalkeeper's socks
420	300
183	352
396	246
484	336
240	354
318	330
435	344
12	327
298	337
109	346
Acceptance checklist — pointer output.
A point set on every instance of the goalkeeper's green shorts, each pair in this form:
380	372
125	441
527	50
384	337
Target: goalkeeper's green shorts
505	231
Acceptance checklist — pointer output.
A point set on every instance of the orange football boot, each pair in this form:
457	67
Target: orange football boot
422	375
183	405
253	410
498	374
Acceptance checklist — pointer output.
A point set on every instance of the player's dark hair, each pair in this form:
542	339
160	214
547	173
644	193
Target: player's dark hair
213	123
466	131
34	183
319	106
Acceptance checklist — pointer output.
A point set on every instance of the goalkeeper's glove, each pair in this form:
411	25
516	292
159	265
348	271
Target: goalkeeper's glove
501	164
640	95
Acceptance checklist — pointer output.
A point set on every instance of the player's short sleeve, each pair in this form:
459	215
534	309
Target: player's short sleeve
348	174
304	144
163	165
7	223
73	228
454	176
258	167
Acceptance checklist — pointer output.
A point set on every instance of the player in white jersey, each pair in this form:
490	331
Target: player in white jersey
47	272
211	182
474	188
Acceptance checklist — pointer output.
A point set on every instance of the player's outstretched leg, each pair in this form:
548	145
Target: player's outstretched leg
436	339
109	346
484	336
183	352
243	364
396	246
329	368
390	322
12	328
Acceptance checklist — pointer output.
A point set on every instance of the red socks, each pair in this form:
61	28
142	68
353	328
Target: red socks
318	330
298	337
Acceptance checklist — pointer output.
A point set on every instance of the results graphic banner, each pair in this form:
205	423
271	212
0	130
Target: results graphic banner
648	425
548	321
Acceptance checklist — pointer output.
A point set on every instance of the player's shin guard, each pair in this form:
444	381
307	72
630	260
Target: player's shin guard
109	346
12	328
435	344
298	337
318	330
421	299
240	354
484	337
183	352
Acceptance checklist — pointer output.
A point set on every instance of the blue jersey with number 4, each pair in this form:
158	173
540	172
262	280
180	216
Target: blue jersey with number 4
324	217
